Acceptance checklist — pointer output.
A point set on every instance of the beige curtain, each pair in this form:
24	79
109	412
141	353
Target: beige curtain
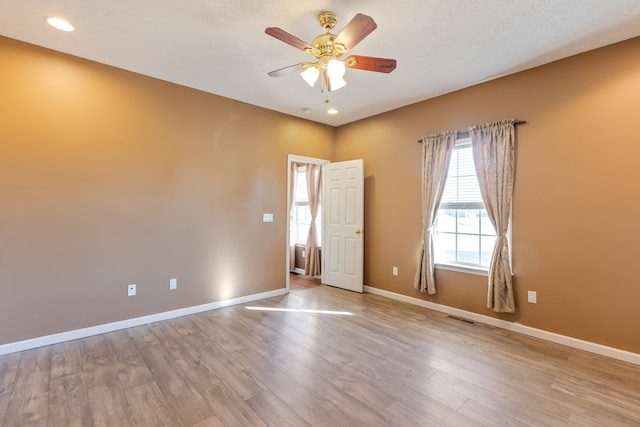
493	148
436	153
293	174
314	181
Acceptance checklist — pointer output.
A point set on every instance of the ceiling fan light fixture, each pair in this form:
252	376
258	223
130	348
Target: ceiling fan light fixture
336	69
310	75
335	84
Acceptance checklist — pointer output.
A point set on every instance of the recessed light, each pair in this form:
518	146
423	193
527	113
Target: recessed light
332	111
59	23
306	110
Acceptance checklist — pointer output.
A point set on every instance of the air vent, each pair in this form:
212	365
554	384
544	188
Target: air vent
461	319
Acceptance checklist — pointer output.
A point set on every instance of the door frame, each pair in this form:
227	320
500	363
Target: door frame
293	158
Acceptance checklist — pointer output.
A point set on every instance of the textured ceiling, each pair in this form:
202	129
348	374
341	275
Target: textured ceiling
219	46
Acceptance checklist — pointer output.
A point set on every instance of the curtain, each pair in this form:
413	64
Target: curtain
314	181
493	146
436	153
293	175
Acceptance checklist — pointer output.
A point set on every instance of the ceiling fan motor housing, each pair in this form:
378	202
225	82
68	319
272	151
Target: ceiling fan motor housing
323	46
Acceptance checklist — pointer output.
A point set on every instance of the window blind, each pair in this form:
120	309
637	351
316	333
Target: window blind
461	190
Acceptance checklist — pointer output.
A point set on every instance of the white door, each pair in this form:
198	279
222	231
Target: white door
343	258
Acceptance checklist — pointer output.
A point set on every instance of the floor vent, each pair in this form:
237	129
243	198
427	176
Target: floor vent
462	319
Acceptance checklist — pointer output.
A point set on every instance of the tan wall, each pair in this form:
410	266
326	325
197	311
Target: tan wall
299	259
577	195
109	178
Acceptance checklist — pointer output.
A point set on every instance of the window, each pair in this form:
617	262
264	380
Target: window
464	235
301	213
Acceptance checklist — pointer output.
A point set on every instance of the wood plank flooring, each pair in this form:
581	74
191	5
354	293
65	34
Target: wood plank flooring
298	282
311	364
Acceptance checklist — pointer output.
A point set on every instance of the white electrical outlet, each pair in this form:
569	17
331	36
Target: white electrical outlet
131	290
173	283
394	271
268	217
532	297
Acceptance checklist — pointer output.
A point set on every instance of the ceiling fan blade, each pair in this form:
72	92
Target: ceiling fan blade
370	63
355	31
282	35
287	70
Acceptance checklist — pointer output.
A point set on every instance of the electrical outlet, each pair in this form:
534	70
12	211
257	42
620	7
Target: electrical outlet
173	283
131	290
268	217
394	271
532	297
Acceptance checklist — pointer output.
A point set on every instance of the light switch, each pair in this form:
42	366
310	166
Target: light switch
268	217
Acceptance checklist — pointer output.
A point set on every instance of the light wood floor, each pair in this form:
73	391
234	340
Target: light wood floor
388	364
298	282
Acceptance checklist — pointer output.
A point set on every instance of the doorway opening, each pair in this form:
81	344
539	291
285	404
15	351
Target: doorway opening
304	227
341	263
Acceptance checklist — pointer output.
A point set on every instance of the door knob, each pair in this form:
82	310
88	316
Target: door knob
358	231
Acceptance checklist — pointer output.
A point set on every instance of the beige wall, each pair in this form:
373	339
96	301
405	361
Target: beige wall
110	178
576	205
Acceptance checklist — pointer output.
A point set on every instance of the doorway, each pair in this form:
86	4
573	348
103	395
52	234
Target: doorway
342	224
305	221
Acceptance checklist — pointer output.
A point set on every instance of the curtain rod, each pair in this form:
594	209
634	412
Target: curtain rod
465	133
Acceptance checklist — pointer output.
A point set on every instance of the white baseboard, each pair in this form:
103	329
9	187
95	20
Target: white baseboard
130	323
602	350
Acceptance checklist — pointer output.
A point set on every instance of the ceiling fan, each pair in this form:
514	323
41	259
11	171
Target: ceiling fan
328	48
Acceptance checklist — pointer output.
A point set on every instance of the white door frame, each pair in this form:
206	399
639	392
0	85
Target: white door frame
292	158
